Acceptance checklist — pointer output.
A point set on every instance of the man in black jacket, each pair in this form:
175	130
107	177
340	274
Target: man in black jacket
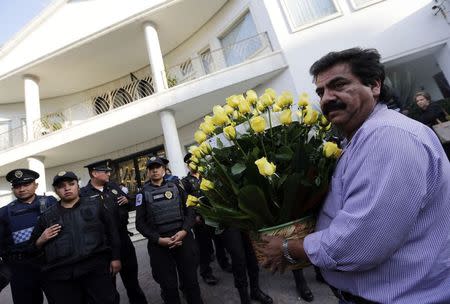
164	219
118	202
81	247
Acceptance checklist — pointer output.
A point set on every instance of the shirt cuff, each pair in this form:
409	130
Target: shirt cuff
316	253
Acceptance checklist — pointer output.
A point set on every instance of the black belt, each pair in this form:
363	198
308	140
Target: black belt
348	297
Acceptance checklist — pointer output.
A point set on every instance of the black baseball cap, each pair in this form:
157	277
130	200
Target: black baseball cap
64	176
157	160
21	176
103	165
187	158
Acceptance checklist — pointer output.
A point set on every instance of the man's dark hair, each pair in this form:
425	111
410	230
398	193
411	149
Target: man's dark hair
364	64
424	94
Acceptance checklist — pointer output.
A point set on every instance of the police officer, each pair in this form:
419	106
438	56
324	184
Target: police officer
203	232
80	244
165	220
118	201
19	218
243	261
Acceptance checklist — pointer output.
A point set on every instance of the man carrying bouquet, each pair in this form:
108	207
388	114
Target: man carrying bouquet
383	233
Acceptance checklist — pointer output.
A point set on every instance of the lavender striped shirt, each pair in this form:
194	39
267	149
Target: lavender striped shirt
384	230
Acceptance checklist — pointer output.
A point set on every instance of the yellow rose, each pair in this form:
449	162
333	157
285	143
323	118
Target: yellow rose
200	136
228	109
201	169
260	106
208	119
255	112
244	106
266	100
304	100
197	152
276	108
265	168
192	166
206	185
258	124
285	100
251	97
271	92
194	158
323	121
230	132
191	201
205	147
331	149
286	117
207	128
311	117
232	101
192	148
220	117
236	115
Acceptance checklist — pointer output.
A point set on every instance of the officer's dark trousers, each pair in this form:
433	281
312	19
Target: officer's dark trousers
243	259
93	287
166	262
203	236
26	284
129	271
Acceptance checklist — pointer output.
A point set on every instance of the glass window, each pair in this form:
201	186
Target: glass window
241	42
363	3
303	13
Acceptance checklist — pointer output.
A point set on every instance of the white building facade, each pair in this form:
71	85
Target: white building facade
122	80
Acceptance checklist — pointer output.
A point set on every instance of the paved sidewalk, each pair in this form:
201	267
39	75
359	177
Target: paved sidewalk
280	287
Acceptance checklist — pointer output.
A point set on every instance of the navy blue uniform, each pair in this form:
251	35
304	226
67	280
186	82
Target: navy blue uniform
129	271
19	220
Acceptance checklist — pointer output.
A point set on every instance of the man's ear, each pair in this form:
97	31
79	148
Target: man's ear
376	89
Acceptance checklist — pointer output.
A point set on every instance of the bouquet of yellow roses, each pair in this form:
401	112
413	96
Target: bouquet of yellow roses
264	160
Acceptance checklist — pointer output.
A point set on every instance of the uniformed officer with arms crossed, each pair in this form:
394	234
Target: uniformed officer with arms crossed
81	247
118	202
165	220
19	218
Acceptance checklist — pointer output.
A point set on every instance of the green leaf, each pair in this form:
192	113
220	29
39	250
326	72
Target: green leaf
290	198
238	168
284	154
253	202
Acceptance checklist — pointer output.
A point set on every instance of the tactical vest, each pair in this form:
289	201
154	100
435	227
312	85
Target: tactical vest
81	235
22	218
164	207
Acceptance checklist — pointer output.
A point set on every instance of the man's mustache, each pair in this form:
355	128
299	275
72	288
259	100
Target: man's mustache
333	105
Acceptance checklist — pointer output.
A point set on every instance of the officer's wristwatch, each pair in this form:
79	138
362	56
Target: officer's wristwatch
286	254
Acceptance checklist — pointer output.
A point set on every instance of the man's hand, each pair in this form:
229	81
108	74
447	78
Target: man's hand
273	252
165	242
177	238
115	267
122	200
48	234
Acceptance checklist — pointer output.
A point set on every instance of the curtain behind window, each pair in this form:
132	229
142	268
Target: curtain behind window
241	42
303	12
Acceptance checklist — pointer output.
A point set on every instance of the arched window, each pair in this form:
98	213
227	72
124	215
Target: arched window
121	98
100	105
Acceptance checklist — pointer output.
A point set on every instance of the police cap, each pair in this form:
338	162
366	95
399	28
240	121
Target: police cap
187	158
21	176
103	165
157	160
64	176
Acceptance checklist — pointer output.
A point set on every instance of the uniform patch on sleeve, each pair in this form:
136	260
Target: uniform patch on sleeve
138	199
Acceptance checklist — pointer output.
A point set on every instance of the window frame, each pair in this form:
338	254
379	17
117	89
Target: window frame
295	28
369	3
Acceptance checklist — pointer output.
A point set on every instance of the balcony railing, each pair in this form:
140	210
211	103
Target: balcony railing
140	87
13	137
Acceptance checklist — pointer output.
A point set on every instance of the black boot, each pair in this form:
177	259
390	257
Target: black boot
243	294
305	293
258	295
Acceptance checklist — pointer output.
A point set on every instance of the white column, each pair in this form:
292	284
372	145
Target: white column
172	143
443	59
32	103
36	163
155	57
